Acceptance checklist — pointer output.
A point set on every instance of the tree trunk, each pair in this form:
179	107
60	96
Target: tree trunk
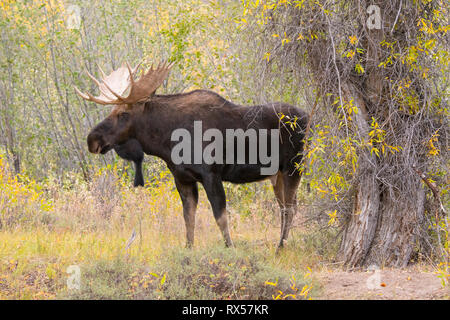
360	230
397	231
13	155
380	230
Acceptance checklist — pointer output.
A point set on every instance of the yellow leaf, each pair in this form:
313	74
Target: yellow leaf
163	279
268	283
350	54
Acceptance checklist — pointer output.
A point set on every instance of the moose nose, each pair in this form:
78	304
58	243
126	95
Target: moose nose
94	142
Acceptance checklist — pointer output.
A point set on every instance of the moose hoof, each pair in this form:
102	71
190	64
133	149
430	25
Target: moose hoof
280	246
229	244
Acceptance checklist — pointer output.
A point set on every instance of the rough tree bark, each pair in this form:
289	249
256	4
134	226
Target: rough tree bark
360	230
381	230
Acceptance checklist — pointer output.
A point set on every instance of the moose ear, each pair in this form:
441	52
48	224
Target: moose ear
124	116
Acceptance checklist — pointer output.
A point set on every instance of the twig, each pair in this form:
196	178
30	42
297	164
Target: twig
396	18
307	132
430	185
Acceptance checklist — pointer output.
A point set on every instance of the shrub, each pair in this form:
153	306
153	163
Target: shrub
214	273
21	200
103	280
219	273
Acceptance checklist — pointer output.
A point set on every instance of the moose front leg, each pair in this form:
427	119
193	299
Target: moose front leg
132	150
189	197
138	177
216	196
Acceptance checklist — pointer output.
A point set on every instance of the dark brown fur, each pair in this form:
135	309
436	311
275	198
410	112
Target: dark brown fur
131	150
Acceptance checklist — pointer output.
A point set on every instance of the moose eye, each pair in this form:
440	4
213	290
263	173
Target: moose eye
124	116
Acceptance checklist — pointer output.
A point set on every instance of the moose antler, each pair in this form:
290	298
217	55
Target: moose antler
115	84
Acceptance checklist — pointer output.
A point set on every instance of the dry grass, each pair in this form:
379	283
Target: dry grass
86	224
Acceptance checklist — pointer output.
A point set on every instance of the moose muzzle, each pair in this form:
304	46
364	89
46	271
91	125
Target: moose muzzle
96	144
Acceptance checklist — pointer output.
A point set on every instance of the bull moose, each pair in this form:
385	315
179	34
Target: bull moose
147	121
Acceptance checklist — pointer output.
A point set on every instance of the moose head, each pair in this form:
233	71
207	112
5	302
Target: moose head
119	126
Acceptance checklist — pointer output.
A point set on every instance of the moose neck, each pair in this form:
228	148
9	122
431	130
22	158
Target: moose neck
164	113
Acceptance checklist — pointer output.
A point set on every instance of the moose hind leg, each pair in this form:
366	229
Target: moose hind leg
290	183
278	189
189	198
138	177
216	196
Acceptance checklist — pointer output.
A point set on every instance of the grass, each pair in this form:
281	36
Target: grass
89	225
208	273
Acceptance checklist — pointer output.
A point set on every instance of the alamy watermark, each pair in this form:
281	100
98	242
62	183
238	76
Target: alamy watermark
74	279
374	281
374	19
235	140
73	17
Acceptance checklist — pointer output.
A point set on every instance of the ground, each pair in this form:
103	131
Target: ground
402	284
